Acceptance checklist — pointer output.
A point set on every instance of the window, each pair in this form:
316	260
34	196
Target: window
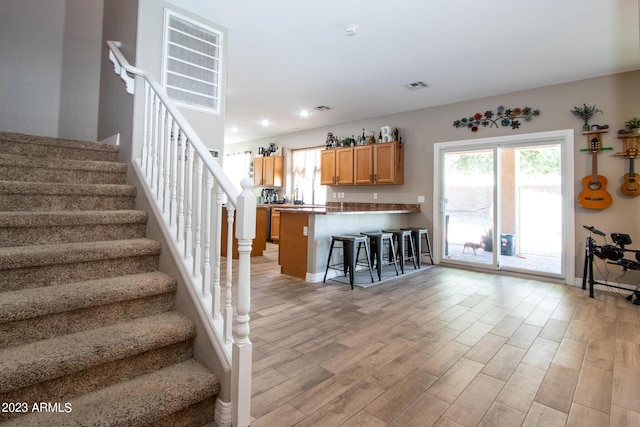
191	63
305	171
237	166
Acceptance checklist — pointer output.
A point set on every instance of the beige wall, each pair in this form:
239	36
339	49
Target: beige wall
618	96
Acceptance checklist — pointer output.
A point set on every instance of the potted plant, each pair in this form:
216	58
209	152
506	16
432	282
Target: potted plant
585	113
633	124
347	142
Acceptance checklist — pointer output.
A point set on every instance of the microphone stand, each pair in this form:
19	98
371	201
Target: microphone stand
587	275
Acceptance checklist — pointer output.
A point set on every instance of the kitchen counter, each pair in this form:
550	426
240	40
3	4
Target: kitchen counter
349	208
305	231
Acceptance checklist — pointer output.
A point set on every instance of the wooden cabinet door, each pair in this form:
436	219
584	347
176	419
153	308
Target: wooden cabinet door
267	171
328	167
258	168
275	225
344	166
277	177
363	165
388	164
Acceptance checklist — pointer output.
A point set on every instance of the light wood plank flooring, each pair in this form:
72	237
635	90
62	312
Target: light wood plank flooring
443	347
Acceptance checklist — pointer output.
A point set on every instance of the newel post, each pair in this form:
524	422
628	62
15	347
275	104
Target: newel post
242	347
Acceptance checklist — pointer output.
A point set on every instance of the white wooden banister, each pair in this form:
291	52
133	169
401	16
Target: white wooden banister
182	176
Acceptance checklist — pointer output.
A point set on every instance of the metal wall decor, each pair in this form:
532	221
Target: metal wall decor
505	117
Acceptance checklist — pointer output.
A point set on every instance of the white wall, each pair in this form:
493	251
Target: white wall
618	96
210	127
115	105
40	93
80	79
31	46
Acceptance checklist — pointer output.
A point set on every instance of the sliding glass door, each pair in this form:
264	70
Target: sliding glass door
505	204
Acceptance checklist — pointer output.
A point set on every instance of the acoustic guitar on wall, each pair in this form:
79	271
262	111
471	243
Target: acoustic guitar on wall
594	193
630	187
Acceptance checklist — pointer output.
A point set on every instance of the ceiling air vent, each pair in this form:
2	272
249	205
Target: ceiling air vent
322	108
416	85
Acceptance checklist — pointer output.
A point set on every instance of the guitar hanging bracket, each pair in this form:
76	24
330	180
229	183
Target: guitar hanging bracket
600	149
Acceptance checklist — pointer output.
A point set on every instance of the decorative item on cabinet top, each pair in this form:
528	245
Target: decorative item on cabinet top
505	117
386	134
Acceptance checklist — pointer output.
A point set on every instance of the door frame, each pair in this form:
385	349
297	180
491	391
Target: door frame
564	137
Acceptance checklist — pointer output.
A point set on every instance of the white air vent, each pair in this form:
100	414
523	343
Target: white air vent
322	108
416	85
191	74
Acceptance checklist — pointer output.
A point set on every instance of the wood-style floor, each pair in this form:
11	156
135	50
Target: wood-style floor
443	347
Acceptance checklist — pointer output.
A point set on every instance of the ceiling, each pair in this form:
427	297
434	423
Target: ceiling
288	55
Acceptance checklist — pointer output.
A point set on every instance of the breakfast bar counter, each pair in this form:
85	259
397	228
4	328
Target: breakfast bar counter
305	231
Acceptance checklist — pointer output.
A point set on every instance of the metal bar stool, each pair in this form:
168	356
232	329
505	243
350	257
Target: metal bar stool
376	242
350	258
401	236
418	234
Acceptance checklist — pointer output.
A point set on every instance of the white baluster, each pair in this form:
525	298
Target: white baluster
169	142
162	143
228	309
175	168
197	250
144	164
181	190
188	244
154	146
206	268
217	239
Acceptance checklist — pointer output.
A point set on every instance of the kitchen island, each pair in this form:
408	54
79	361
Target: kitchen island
305	232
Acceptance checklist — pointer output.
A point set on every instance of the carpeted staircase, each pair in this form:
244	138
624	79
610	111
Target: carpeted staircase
87	331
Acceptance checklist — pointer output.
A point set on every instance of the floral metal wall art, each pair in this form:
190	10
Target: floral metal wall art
503	116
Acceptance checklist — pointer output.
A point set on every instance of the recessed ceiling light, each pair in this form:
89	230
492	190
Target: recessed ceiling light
265	122
304	113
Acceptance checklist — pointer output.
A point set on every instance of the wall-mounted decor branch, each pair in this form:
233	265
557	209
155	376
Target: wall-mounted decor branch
502	117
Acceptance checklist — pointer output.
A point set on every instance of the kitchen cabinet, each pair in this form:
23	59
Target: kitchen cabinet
388	163
363	164
292	253
336	166
259	243
268	171
275	225
374	164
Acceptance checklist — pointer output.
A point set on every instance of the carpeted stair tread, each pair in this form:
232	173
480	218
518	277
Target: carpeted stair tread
39	361
46	141
23	228
70	218
67	253
141	401
43	169
29	303
43	162
48	188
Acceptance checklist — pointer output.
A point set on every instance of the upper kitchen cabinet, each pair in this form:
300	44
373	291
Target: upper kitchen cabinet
268	171
336	166
374	164
388	163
